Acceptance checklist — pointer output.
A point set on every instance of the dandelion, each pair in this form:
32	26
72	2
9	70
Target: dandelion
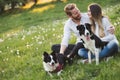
37	48
53	34
0	51
27	45
23	38
59	36
11	51
1	40
3	59
6	59
18	56
18	52
40	42
3	71
53	29
51	43
32	38
7	47
115	23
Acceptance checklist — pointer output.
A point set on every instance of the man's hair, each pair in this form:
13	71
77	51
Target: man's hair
68	8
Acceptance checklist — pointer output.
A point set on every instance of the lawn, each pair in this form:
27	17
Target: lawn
26	34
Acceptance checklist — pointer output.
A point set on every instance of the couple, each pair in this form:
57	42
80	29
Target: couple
100	26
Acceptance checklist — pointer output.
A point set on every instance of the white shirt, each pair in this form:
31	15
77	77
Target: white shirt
106	24
70	27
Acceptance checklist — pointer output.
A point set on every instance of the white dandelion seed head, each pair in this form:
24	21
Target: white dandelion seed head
0	51
11	51
3	71
1	40
23	38
53	34
40	42
18	52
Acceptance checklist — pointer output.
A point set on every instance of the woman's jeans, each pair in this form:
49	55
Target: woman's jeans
110	49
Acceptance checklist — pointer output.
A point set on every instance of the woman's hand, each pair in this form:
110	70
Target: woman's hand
111	30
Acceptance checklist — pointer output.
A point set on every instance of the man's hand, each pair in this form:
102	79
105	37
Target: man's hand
112	29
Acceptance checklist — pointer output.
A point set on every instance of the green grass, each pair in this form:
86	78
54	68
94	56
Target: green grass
25	35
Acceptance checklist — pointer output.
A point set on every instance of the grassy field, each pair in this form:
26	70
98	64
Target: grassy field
26	34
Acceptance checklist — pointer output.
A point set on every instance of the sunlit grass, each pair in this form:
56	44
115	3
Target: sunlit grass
41	9
28	5
44	1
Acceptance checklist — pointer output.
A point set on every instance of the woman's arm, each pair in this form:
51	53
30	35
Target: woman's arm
111	29
108	29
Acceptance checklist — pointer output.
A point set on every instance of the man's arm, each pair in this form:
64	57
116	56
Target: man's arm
62	49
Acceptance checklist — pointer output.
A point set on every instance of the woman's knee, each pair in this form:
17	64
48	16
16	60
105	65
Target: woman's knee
113	44
82	52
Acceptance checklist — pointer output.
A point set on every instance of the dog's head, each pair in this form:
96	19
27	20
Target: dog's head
85	30
50	58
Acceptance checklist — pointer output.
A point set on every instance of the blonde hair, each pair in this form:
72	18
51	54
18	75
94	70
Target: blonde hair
69	7
97	16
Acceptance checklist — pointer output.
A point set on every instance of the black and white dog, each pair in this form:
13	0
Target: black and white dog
90	41
50	63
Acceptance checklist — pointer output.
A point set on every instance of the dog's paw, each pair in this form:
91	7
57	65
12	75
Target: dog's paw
59	72
108	58
50	74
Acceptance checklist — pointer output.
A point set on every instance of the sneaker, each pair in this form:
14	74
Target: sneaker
108	58
84	61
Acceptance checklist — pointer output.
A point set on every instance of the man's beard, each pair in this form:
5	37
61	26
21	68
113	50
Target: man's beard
76	19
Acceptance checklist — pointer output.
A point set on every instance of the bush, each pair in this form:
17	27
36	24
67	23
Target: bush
13	3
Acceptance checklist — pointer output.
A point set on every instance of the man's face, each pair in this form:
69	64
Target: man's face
75	14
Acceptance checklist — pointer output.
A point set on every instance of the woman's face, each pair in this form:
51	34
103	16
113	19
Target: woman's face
89	13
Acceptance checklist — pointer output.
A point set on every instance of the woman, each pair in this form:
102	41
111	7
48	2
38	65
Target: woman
101	26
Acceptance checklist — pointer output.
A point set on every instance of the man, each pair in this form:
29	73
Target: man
75	18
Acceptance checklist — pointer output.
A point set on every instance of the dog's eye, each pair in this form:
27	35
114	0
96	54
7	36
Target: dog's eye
47	59
83	28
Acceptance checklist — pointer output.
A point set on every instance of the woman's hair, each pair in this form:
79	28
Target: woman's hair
69	7
97	16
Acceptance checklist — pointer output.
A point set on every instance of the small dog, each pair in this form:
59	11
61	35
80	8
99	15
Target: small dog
90	41
51	64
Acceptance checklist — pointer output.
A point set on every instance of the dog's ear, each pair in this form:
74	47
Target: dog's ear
87	24
79	27
53	53
45	53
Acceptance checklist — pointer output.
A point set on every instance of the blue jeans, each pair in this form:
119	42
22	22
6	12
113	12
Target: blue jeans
110	49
